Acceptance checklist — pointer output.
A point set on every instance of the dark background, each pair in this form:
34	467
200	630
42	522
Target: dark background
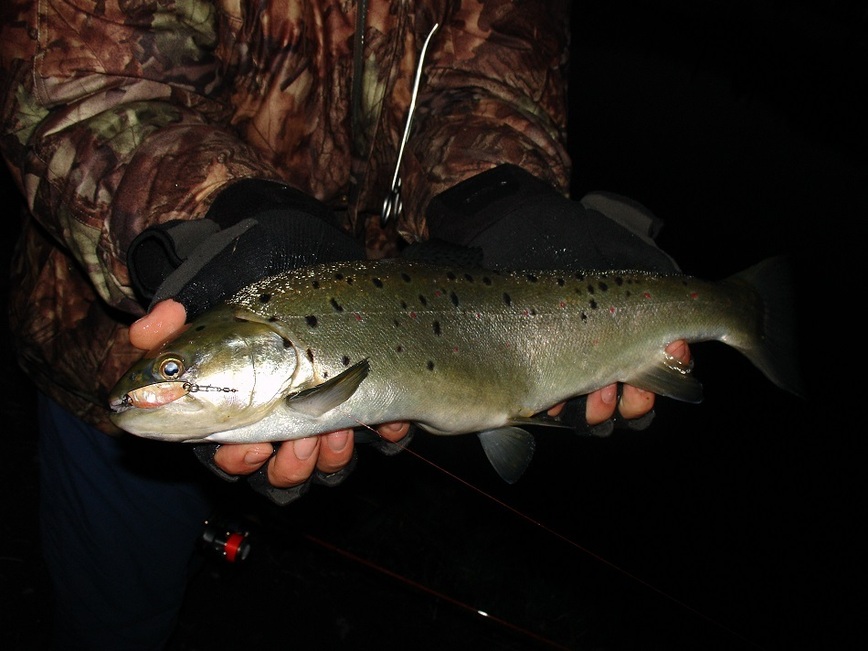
735	524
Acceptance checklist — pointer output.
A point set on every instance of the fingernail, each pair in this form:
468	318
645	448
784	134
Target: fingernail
609	394
257	455
303	448
337	441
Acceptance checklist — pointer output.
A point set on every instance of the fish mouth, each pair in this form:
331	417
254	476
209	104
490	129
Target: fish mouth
151	396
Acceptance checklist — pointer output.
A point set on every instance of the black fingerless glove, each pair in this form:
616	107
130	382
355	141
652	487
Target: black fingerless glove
521	222
518	221
254	229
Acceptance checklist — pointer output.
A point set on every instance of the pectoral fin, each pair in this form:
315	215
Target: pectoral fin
509	449
323	397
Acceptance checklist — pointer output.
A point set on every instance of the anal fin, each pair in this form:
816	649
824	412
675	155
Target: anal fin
671	378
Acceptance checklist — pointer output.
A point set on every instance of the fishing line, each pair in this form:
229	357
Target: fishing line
427	590
633	577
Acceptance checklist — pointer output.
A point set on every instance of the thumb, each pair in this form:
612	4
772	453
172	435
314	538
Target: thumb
166	319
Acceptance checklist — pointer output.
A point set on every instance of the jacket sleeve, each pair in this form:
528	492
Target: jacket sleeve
494	91
112	121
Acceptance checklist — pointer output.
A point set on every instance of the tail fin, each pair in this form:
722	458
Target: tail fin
776	351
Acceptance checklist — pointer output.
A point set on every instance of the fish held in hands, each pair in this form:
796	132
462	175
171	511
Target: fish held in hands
454	350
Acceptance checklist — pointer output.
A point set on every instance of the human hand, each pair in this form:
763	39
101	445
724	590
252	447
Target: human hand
295	461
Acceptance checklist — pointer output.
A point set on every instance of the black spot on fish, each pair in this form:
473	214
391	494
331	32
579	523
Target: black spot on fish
273	318
423	300
350	280
486	280
264	298
403	304
315	284
399	348
507	298
579	275
397	323
468	278
619	281
377	283
339	276
584	316
311	320
200	328
454	298
450	275
561	282
591	289
532	312
531	277
345	360
337	306
405	277
436	326
309	353
430	365
593	304
603	286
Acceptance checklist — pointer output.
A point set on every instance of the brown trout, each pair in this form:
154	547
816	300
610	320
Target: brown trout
452	350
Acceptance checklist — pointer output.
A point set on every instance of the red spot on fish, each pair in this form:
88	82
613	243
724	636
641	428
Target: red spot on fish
612	310
647	294
358	316
525	313
438	293
563	304
694	295
412	315
455	349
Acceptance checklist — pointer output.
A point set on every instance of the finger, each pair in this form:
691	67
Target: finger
242	458
166	319
635	402
294	462
335	451
556	410
394	432
679	350
601	404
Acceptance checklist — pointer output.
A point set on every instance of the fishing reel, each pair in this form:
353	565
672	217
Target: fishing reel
226	539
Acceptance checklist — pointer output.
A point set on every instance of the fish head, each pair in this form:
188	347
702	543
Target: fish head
224	371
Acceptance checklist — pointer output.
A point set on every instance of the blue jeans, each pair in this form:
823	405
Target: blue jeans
120	519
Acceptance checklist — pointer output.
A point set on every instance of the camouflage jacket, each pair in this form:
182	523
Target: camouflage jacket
122	114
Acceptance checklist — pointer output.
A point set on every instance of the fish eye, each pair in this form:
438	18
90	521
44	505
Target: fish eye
170	368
